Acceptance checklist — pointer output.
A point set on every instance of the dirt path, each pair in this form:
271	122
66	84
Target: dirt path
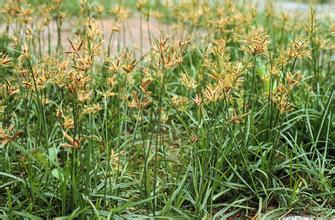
133	34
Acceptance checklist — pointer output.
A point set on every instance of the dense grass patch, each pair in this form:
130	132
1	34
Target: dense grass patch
235	119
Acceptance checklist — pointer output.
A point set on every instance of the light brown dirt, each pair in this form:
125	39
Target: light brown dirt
133	34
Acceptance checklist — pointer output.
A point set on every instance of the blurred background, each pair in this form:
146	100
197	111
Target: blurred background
72	6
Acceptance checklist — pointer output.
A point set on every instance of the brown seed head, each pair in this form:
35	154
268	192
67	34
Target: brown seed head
256	42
